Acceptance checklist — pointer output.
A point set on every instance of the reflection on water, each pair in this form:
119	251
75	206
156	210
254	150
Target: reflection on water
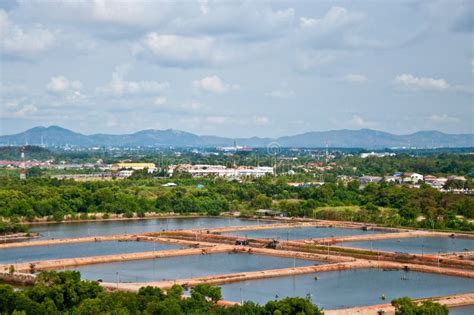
186	267
67	230
301	233
35	253
416	245
348	288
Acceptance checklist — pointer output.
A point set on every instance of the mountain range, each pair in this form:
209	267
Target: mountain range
363	138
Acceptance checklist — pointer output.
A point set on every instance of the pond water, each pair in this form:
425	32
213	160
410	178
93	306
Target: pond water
416	245
186	267
300	233
341	289
68	230
35	253
463	310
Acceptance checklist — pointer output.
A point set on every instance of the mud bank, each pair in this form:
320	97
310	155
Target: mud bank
450	301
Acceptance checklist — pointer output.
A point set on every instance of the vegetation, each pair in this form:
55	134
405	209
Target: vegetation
387	204
406	306
384	203
437	164
7	227
65	293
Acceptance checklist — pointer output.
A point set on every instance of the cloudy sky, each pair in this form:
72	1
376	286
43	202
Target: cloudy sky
237	68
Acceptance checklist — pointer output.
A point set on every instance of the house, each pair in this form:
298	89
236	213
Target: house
412	178
363	180
392	179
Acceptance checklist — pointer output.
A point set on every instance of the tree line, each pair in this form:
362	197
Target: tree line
65	293
381	203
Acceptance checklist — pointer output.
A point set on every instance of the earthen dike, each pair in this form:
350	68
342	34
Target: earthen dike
330	253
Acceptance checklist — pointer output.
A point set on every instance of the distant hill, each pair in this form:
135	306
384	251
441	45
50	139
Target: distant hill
363	138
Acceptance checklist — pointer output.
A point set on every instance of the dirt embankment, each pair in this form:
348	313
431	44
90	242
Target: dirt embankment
81	261
450	301
254	275
86	239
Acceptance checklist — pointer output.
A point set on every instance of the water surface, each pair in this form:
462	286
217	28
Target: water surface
35	253
186	267
416	245
341	289
462	310
95	228
301	233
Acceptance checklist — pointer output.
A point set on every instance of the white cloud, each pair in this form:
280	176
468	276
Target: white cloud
192	105
243	19
217	120
335	18
122	18
361	122
25	111
162	104
18	41
61	84
443	119
129	13
180	51
160	100
311	59
214	84
284	93
17	108
355	78
136	14
118	86
261	120
412	83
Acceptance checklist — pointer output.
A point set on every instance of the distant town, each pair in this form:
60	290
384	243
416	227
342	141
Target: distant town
290	162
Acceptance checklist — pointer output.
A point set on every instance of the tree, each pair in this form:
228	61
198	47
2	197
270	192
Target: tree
406	306
294	305
262	202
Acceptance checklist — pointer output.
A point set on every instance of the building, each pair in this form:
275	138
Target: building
392	179
203	170
458	178
134	166
435	182
412	178
125	173
376	154
363	180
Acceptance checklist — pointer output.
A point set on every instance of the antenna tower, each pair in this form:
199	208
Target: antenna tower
22	163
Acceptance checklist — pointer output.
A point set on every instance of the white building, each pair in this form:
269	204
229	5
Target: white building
376	154
412	178
202	170
392	179
125	173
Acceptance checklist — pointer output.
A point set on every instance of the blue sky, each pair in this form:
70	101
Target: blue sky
237	68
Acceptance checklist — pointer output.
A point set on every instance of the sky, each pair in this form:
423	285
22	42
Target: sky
237	68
